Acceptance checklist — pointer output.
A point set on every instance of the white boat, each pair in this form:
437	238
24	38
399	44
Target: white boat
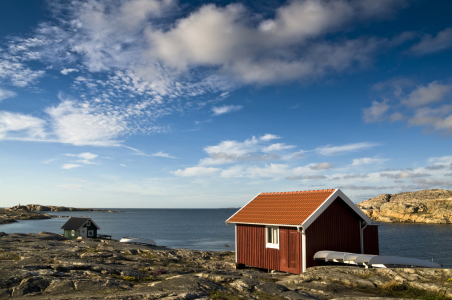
135	240
401	262
336	257
374	261
363	259
333	256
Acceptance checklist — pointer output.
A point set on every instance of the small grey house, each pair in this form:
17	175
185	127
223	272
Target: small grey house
84	227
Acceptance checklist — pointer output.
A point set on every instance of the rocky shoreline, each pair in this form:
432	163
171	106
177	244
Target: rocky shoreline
47	266
427	206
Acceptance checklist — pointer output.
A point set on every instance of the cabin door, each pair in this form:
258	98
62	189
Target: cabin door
289	251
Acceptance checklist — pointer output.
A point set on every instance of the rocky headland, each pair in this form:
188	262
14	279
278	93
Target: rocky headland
34	212
47	266
12	215
39	207
427	206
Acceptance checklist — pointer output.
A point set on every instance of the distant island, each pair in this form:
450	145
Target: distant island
427	206
33	212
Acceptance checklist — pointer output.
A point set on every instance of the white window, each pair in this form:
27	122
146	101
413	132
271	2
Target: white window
88	223
90	232
73	232
272	237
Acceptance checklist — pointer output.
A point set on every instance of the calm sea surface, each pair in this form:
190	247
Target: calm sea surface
204	229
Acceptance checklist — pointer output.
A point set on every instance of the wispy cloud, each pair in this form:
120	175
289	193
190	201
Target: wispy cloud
337	150
321	166
220	110
85	158
19	126
70	166
422	105
367	160
67	71
5	94
196	171
157	154
431	44
404	175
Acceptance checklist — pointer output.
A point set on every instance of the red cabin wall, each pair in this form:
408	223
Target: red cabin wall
251	248
336	229
370	240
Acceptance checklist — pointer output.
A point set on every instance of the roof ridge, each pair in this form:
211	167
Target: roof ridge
298	192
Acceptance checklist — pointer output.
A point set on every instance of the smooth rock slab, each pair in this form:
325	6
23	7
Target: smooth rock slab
187	284
271	288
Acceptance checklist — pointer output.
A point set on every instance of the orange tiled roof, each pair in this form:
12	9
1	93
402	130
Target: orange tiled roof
288	208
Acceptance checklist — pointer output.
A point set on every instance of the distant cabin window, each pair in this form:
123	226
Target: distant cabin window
272	237
72	232
90	232
88	223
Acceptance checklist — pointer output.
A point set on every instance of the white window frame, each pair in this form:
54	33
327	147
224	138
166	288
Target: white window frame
88	223
271	244
90	233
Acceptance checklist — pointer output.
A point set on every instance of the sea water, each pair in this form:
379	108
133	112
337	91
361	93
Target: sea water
205	229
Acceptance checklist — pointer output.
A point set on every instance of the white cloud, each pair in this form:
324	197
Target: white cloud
337	150
67	71
162	154
70	166
21	127
402	175
85	158
421	105
251	150
376	112
225	109
267	137
196	171
17	73
158	154
251	52
423	95
354	176
307	177
81	124
5	94
277	147
430	44
321	166
367	160
432	183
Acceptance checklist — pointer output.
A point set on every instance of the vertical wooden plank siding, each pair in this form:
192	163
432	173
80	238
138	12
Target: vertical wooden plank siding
371	245
336	229
251	248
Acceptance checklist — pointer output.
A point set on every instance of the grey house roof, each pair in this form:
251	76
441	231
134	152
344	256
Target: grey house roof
77	223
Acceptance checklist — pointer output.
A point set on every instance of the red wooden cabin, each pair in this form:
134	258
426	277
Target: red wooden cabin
283	231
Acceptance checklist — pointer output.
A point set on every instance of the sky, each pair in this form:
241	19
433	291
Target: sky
205	104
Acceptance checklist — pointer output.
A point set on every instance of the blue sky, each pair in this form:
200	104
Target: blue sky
170	104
